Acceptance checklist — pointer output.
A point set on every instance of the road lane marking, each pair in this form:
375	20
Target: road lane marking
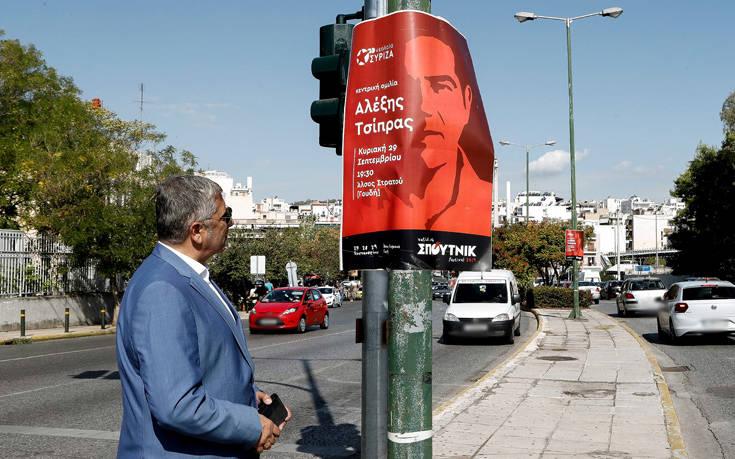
56	353
40	388
296	341
56	432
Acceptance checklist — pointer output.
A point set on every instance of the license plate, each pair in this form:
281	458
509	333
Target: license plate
716	323
475	327
268	321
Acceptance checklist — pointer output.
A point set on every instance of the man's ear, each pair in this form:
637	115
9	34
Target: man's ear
467	97
196	233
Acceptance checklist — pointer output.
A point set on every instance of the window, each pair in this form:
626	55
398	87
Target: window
481	293
317	295
718	292
283	296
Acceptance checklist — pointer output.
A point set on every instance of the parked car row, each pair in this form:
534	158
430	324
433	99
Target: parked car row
692	307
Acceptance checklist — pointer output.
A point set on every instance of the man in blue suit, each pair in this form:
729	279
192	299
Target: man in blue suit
187	378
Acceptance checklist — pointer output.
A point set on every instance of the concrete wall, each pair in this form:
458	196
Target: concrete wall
48	311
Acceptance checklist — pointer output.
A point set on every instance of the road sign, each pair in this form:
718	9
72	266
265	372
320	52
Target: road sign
643	268
257	264
291	271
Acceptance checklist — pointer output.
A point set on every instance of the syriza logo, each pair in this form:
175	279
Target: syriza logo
437	248
372	55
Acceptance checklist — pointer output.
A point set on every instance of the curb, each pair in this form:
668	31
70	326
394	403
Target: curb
109	331
673	428
490	373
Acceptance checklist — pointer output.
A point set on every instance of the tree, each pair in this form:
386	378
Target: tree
705	242
727	115
532	250
314	249
74	170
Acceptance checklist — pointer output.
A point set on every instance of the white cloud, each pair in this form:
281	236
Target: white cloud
622	166
551	163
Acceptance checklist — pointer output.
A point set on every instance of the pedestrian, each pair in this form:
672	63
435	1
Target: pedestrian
268	285
260	289
188	387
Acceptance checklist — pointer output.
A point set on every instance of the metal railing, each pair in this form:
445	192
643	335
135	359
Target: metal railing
41	265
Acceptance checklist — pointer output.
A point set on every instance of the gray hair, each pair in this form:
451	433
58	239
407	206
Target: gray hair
182	200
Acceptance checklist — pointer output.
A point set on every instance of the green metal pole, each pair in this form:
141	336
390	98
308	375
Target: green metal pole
409	344
66	320
22	322
526	185
409	364
576	313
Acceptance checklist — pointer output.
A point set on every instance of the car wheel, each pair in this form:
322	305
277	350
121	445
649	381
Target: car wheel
254	331
663	337
325	322
301	327
509	336
626	313
673	339
597	301
517	331
446	339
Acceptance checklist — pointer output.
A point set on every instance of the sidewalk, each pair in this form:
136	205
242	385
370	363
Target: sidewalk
587	388
44	334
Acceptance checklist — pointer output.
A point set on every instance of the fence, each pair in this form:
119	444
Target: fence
41	265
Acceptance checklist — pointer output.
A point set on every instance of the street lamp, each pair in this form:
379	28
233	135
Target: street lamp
527	147
524	16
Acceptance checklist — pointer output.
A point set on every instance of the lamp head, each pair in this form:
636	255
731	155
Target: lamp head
550	142
523	16
504	142
612	12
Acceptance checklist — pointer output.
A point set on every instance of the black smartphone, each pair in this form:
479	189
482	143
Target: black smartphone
276	412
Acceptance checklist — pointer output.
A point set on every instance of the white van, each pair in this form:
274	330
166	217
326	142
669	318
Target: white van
483	304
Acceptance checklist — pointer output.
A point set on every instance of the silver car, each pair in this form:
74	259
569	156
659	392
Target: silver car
642	294
697	307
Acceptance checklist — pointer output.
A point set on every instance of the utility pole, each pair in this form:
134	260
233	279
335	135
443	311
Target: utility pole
617	242
409	354
655	232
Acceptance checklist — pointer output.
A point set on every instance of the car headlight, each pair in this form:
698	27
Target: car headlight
289	311
253	311
450	317
500	317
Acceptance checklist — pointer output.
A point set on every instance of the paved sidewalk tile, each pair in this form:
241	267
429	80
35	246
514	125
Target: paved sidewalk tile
582	388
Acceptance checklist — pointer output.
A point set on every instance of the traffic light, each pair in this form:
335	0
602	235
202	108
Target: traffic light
331	71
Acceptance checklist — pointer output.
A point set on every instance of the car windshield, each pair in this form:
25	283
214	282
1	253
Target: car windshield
327	290
283	296
647	285
481	293
718	292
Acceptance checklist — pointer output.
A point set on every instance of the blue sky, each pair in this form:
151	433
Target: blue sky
230	81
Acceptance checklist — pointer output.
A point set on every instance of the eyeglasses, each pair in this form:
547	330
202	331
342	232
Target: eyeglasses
226	217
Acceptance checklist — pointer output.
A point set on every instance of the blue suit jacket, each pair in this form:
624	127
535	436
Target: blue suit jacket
186	374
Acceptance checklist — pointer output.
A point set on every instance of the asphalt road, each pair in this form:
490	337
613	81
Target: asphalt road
703	393
62	398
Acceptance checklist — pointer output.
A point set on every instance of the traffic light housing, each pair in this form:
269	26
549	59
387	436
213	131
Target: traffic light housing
331	68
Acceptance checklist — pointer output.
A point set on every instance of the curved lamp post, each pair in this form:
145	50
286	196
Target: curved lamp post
527	147
524	16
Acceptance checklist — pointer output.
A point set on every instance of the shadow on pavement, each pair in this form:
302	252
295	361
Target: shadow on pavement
314	439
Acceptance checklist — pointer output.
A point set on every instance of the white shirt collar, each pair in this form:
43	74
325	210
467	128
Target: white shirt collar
195	265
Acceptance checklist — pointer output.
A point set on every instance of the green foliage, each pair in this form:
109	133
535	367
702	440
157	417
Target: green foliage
557	297
706	243
314	249
70	169
727	115
533	250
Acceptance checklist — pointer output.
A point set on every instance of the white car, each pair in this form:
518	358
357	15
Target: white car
640	294
483	304
332	296
591	287
697	307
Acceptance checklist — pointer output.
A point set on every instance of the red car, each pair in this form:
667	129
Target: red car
289	308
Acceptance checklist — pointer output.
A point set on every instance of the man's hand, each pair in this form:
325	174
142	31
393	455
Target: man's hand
268	434
265	398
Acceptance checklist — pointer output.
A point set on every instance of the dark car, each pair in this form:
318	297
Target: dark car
439	292
610	289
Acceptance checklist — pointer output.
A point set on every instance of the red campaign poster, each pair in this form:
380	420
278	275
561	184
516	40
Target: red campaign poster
574	244
417	152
